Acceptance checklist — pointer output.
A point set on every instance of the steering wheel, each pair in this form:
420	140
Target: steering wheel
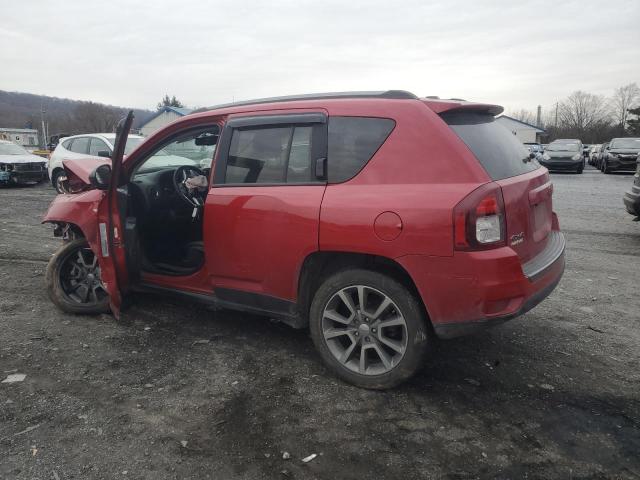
180	176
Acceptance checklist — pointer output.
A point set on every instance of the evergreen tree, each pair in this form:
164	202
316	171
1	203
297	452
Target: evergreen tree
170	102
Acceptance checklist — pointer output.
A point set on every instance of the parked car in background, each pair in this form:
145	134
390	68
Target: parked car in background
600	156
54	140
535	148
593	154
393	221
563	155
632	197
586	149
18	166
83	146
621	155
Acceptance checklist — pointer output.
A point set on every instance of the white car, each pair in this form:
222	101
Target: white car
84	146
19	166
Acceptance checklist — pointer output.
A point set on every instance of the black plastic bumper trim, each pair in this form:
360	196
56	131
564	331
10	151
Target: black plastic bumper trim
537	266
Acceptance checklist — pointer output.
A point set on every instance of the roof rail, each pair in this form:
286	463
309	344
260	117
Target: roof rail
392	94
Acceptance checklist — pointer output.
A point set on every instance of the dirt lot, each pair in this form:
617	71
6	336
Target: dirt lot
178	391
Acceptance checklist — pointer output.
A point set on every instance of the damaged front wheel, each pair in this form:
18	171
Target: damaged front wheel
73	279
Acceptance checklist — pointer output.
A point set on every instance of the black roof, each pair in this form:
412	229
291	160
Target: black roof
392	94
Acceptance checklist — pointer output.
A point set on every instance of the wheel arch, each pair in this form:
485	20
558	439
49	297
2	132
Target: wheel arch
319	265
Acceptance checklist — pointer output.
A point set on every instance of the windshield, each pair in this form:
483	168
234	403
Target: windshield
132	143
631	143
12	149
563	147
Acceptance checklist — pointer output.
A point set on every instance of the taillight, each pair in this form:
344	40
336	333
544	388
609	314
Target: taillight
479	219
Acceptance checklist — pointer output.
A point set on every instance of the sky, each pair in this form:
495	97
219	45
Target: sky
130	53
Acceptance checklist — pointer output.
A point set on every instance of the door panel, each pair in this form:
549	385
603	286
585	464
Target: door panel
112	218
256	237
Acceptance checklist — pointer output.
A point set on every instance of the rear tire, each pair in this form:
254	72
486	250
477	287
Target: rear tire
73	280
369	329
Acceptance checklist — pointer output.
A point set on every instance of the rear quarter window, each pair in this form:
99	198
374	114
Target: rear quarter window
352	143
498	150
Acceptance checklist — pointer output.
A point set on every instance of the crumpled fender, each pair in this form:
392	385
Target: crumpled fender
81	210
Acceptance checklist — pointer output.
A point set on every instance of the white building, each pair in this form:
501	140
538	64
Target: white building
163	117
525	132
27	137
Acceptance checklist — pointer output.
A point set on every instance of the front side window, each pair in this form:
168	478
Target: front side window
80	145
275	154
352	143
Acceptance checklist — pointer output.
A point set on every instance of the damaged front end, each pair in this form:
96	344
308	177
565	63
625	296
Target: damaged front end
22	172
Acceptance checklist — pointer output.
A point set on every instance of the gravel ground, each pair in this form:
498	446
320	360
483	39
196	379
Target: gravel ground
178	391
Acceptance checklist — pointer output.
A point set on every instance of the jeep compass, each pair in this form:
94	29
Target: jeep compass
380	221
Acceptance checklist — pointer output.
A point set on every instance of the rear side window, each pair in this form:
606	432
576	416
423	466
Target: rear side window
352	143
499	151
80	145
96	146
67	144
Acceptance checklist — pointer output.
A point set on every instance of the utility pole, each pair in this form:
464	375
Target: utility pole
539	116
43	112
556	124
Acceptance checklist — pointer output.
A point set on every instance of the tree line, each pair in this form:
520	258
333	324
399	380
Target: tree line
589	117
62	115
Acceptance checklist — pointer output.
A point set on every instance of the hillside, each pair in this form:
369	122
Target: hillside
22	110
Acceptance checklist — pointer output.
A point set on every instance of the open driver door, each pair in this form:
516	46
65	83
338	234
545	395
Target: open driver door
115	252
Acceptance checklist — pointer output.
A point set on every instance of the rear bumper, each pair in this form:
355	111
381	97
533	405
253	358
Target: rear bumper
474	290
562	165
631	200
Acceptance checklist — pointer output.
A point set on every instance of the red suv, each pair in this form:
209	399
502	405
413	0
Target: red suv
379	220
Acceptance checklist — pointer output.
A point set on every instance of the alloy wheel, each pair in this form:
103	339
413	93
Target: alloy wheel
364	330
80	278
60	183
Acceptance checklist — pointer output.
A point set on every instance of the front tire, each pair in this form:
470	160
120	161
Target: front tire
73	280
58	180
369	329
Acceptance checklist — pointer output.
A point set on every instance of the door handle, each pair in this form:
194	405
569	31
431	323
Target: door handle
321	168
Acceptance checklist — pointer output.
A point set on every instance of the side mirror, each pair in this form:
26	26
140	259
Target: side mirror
104	153
101	177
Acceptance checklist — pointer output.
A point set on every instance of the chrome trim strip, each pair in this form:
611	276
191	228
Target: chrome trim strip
104	245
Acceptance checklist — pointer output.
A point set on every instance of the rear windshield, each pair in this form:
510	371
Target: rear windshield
498	150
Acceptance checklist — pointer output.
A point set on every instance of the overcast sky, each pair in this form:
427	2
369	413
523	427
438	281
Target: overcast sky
129	53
